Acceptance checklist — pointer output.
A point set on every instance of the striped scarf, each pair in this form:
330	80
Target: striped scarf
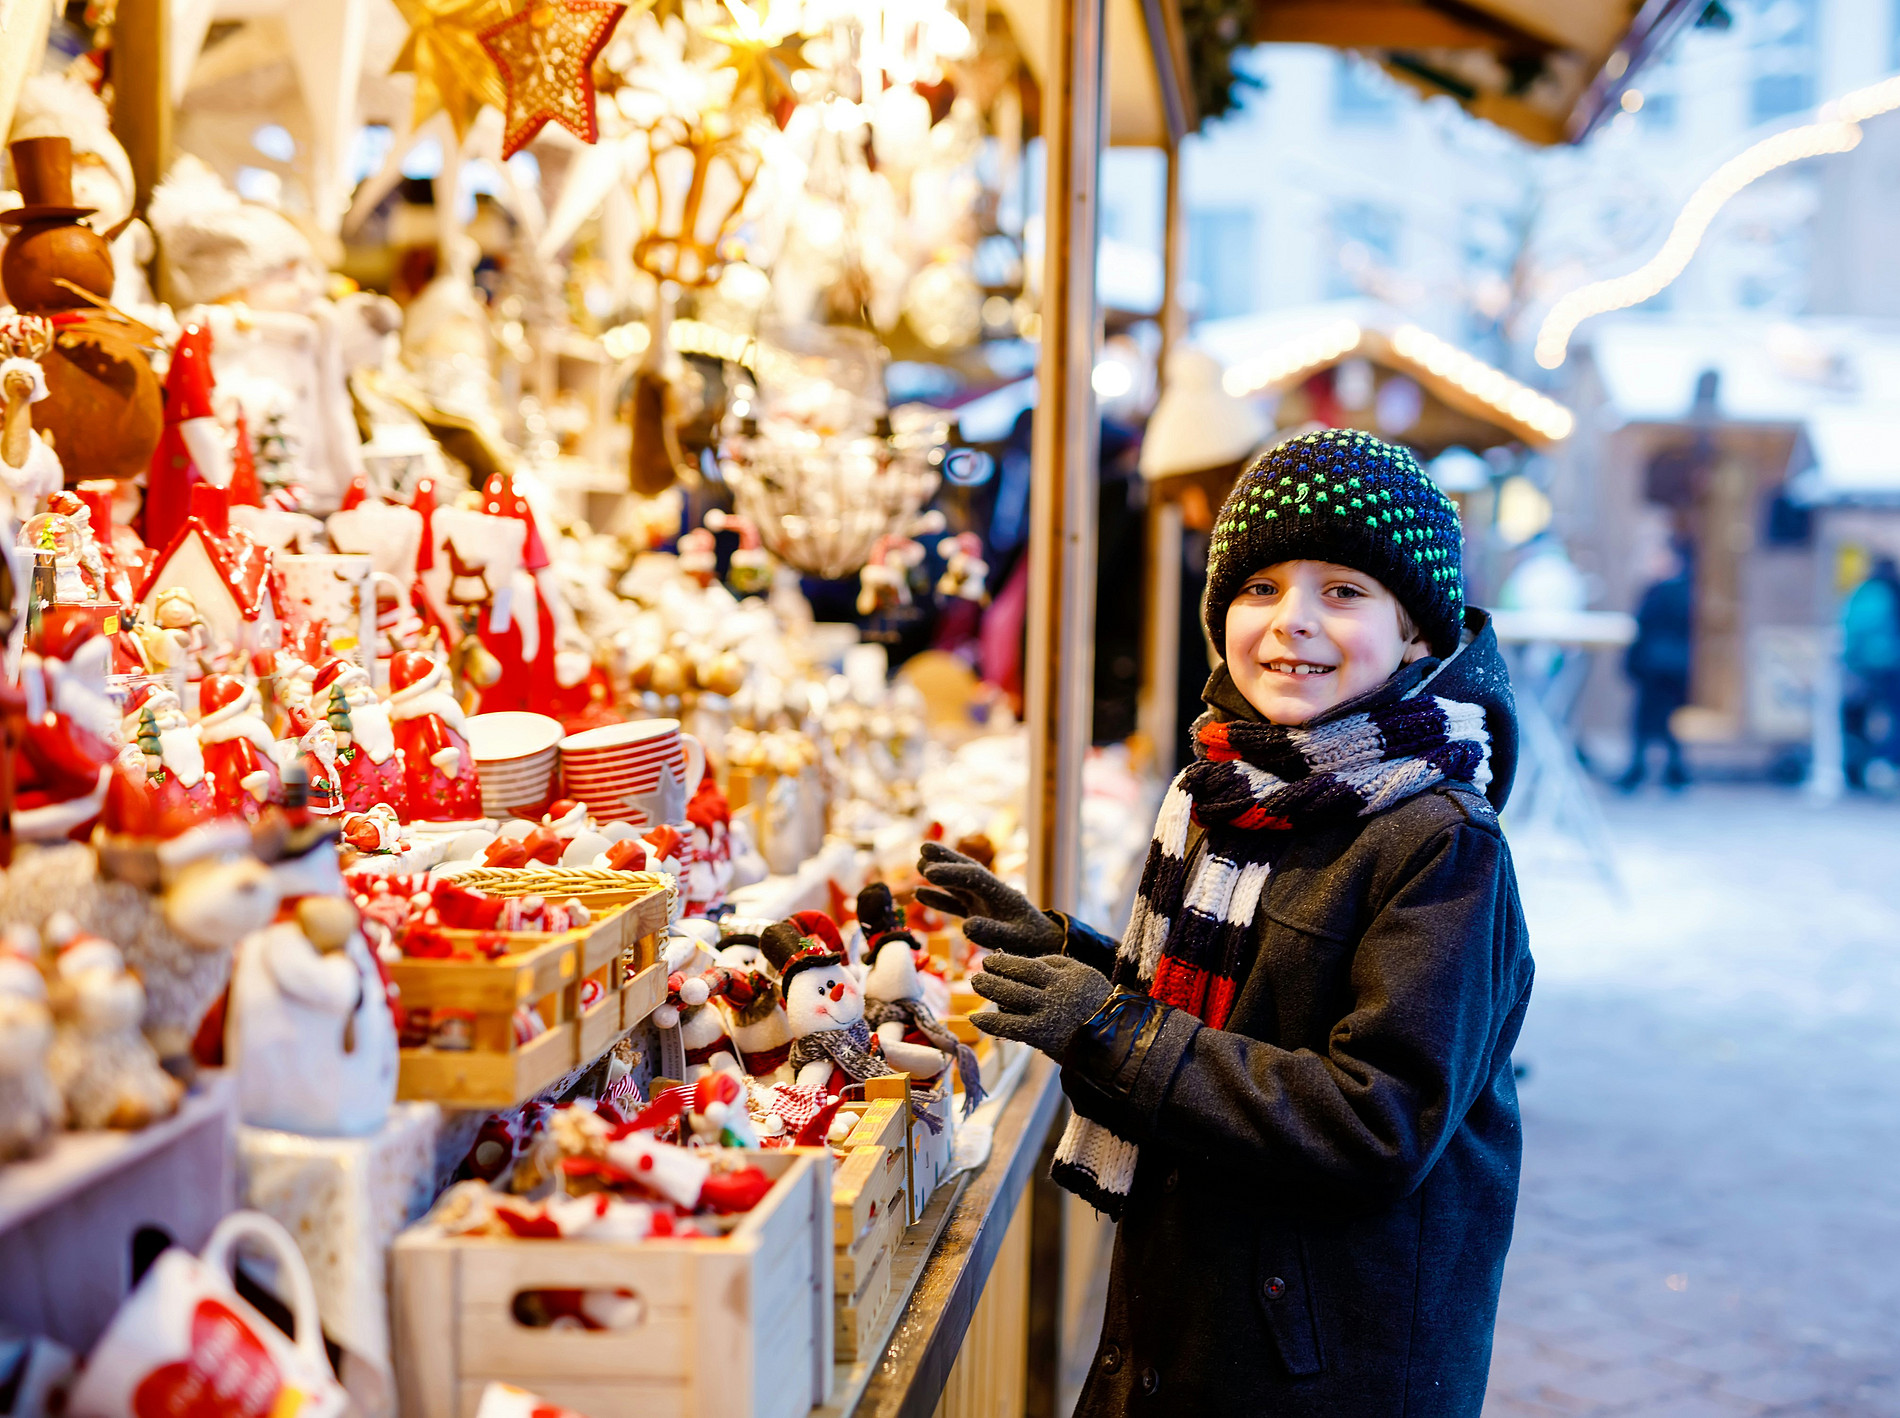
1191	938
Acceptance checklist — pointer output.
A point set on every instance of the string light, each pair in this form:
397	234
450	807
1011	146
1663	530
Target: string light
1547	418
1425	352
1294	358
1836	129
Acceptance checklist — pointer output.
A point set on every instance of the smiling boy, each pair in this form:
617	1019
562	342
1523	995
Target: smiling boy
1292	1076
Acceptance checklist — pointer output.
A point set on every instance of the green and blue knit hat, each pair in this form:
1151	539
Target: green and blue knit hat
1343	496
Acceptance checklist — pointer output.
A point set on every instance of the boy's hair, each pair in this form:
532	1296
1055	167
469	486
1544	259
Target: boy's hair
1343	496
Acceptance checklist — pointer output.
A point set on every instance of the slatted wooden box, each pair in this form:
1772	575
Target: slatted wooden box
545	972
870	1209
739	1327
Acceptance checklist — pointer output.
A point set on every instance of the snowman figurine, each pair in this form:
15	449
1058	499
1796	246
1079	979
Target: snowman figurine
692	979
832	1046
759	1028
908	1031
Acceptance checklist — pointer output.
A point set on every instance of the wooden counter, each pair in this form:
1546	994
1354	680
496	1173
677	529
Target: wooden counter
909	1380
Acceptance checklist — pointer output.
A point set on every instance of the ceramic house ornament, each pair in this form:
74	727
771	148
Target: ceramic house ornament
227	575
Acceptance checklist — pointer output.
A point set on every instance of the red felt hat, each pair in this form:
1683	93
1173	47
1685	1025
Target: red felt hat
821	927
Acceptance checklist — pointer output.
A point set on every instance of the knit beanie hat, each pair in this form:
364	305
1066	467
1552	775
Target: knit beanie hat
1342	496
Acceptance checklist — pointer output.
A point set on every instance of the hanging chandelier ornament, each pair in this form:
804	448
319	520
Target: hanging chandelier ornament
690	184
445	53
545	55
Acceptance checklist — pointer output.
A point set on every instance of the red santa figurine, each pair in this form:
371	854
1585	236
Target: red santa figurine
439	770
237	748
368	763
163	755
193	448
318	752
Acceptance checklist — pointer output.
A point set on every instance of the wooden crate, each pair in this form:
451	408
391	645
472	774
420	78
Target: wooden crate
544	971
885	1125
930	1153
739	1327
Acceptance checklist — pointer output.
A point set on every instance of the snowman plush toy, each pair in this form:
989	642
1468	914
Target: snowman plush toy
909	1034
693	978
832	1047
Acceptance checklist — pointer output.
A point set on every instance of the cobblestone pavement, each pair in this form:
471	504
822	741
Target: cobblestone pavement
1710	1215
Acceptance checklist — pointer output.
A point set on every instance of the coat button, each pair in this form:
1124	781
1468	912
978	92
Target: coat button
1150	1380
1173	1181
1111	1360
1273	1287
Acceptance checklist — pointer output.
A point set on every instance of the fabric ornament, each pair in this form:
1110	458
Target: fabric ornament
546	56
1190	939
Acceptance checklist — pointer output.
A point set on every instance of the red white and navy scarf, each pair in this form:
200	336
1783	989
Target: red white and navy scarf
1191	938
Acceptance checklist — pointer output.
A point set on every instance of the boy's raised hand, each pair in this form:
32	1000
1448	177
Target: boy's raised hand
997	915
1043	1003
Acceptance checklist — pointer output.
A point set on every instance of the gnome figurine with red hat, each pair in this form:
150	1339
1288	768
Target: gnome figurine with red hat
368	762
164	755
439	771
238	748
832	1047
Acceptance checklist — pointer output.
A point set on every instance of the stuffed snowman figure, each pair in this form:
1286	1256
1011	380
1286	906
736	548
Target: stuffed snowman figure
832	1046
908	1030
757	1023
30	1107
692	978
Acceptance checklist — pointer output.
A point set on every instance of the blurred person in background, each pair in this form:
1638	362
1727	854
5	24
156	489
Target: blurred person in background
1657	663
1870	652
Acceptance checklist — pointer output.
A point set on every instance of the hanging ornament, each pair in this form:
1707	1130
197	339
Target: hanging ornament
764	65
690	185
546	58
444	52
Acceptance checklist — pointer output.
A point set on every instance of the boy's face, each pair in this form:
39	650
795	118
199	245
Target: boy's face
1303	636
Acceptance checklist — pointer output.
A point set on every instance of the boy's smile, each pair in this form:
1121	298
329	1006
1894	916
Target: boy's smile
1303	636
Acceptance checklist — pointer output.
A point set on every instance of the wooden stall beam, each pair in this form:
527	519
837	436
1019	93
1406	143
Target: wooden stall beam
141	90
1060	669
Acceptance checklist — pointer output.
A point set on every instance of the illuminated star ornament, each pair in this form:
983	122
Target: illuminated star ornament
546	56
444	52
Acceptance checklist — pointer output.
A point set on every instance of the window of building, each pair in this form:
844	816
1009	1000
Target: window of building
1221	260
1361	93
1365	238
1784	59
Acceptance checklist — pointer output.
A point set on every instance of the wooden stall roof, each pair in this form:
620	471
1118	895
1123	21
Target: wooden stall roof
1547	70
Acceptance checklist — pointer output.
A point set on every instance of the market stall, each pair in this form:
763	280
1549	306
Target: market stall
478	477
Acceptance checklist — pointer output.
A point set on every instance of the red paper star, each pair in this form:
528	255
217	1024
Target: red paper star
546	56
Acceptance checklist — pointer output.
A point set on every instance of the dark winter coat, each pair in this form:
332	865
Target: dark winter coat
1325	1190
1665	626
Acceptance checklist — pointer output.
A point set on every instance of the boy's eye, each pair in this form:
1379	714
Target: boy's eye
1347	591
1257	588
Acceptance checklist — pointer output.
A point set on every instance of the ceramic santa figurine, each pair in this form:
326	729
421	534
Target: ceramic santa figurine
164	755
440	780
62	758
368	762
317	755
238	748
193	448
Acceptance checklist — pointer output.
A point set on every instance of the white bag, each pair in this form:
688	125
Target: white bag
186	1345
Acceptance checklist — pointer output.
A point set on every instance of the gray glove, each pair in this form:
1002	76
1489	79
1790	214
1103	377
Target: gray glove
997	915
1043	1003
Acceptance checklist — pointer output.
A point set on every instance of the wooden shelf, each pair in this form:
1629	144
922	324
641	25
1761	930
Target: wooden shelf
79	1160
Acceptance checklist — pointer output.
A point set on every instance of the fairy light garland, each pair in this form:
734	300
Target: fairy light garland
1836	129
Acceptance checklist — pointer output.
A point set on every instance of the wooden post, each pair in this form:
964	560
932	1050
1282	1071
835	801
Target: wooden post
141	90
1061	652
1161	638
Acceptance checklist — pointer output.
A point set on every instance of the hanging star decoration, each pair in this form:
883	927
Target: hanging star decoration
546	55
454	75
763	63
